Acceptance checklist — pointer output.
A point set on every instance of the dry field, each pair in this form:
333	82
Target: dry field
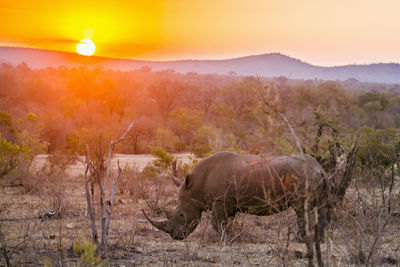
259	241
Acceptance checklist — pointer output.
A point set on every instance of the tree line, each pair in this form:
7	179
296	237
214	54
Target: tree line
187	112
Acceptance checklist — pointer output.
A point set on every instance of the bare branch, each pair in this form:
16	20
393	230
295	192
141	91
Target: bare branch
110	152
106	210
114	185
80	158
124	134
90	198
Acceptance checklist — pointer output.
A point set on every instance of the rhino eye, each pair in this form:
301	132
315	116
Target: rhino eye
180	214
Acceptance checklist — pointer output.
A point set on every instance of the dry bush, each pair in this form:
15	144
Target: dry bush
154	190
130	182
154	185
48	181
14	246
364	224
51	185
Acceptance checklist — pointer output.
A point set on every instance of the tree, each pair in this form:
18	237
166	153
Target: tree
185	122
17	154
140	136
379	157
9	156
207	97
241	95
202	141
166	139
166	93
95	175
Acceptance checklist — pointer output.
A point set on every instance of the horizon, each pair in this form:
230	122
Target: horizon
202	59
322	34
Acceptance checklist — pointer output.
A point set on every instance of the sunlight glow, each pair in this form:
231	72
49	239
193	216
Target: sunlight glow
176	29
86	47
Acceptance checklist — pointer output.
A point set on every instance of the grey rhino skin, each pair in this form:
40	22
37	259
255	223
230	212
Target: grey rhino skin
227	183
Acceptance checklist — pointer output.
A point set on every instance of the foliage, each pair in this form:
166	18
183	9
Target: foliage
184	168
202	141
185	123
6	126
164	159
9	154
87	250
16	155
378	148
48	262
379	100
165	138
72	143
171	110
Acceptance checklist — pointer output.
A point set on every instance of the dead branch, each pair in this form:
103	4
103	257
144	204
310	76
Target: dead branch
106	210
90	198
110	152
110	205
340	190
92	170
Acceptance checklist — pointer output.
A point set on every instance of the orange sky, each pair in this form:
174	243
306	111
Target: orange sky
322	32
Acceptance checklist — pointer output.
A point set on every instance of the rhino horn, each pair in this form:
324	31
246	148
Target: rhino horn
176	181
163	226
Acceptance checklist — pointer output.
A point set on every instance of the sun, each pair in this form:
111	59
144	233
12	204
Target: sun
85	47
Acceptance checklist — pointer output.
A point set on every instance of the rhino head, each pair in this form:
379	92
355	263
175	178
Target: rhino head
184	219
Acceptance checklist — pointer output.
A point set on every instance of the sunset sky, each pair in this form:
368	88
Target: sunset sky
321	32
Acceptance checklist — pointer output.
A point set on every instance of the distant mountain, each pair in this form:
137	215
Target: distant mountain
267	65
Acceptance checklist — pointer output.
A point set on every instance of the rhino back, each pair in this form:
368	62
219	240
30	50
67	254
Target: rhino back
214	174
300	165
252	176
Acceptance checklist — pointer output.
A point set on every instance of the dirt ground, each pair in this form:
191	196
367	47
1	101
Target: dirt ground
259	241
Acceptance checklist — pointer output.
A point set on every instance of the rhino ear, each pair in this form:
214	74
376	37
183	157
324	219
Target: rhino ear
188	181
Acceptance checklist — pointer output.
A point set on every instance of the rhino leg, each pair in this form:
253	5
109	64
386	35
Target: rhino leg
319	227
322	221
222	216
301	234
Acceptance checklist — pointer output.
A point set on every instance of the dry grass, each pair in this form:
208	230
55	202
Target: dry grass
263	241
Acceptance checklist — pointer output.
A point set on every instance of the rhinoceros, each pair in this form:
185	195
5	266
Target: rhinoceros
228	183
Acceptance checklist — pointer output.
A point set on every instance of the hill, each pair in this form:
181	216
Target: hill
267	65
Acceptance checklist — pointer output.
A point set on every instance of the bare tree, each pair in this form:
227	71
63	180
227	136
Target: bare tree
340	174
91	172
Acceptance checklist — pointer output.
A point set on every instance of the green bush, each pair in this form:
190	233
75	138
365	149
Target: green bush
201	141
164	159
9	155
378	147
87	250
17	153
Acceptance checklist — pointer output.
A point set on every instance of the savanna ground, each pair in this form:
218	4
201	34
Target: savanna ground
60	111
260	241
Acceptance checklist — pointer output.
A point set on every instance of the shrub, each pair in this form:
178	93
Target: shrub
87	250
201	141
17	156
